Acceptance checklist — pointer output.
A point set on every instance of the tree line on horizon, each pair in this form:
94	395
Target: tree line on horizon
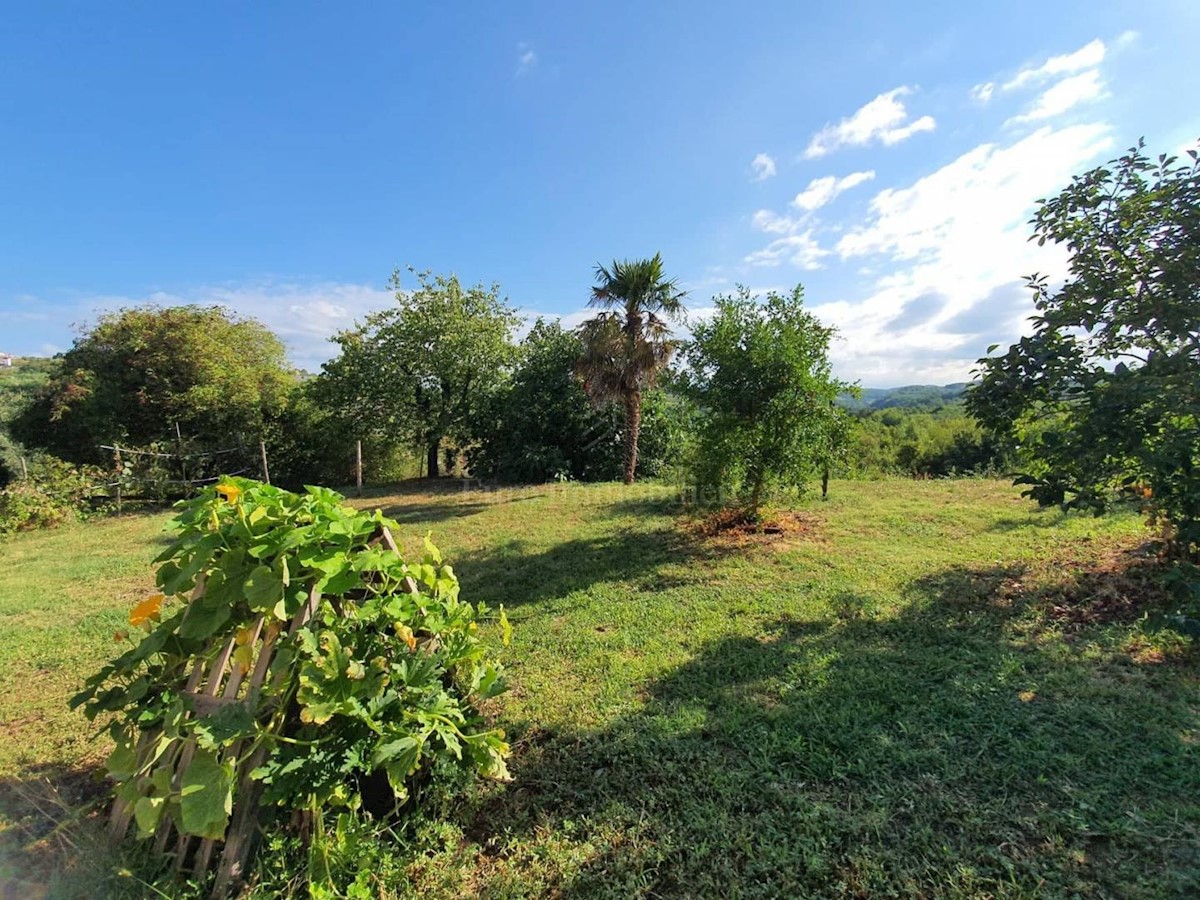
1100	400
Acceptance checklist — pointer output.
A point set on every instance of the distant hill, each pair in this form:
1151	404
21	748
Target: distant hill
20	381
913	396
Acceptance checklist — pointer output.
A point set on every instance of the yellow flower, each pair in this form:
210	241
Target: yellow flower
229	492
146	611
406	635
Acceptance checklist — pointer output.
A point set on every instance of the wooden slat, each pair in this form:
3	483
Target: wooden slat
243	827
410	586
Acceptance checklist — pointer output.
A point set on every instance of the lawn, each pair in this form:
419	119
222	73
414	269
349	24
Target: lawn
923	689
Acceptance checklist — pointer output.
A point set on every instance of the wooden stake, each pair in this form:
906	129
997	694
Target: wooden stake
182	458
358	466
262	447
24	470
117	457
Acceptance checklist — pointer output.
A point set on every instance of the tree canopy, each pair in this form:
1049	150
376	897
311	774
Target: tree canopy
421	370
759	372
628	345
1105	394
140	371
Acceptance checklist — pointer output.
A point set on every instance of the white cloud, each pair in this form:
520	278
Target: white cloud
773	223
985	194
960	233
801	250
1068	93
526	58
764	167
822	190
1087	57
982	93
882	120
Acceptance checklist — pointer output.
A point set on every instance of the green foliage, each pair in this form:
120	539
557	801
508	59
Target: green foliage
540	426
1104	394
937	443
139	372
19	384
627	346
420	372
55	492
380	679
759	373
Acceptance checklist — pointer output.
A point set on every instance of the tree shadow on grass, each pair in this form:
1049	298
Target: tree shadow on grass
513	574
417	513
653	503
938	752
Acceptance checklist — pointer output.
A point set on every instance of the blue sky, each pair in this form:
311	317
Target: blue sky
282	159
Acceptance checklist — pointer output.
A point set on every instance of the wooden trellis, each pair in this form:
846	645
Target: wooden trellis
215	681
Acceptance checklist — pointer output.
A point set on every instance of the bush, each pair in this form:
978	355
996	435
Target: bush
55	492
377	681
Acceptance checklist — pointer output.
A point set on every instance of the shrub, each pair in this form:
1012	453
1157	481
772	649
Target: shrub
55	492
381	671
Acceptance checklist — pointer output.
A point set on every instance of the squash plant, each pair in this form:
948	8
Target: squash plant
334	659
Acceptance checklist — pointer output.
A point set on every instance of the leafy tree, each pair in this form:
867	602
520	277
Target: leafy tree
540	425
1105	393
140	371
627	346
421	370
759	371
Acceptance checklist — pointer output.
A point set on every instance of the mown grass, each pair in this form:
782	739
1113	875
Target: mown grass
930	689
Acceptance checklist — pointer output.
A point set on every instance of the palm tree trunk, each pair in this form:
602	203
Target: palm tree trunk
633	425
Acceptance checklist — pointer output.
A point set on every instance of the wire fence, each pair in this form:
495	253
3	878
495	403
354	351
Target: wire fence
157	475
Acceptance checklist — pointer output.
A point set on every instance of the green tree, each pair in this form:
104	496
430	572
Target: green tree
422	370
760	374
1105	394
140	371
627	346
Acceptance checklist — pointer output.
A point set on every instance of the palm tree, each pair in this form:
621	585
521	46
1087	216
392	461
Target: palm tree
627	346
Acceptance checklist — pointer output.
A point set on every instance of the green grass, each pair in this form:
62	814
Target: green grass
921	693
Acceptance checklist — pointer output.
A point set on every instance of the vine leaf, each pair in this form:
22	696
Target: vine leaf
207	796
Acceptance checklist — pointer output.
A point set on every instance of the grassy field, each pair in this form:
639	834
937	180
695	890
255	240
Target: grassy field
924	689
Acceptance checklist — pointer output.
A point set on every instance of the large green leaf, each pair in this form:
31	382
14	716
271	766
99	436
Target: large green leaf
207	796
263	588
147	812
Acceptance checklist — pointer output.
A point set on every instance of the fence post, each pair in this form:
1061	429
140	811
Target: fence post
358	466
117	458
187	485
24	470
262	446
